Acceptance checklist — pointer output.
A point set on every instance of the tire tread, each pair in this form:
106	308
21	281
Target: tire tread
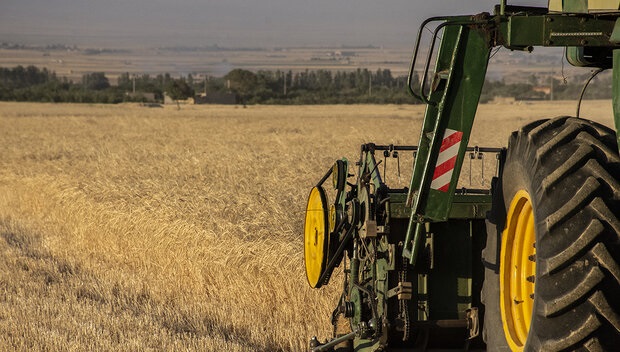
571	169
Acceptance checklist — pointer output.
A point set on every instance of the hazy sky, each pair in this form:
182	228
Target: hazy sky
226	22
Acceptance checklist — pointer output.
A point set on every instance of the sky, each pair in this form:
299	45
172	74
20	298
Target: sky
227	23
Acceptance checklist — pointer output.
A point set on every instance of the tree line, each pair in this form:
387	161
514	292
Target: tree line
315	87
41	85
261	87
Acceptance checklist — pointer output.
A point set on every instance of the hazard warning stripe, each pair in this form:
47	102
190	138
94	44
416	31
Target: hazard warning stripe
450	138
446	160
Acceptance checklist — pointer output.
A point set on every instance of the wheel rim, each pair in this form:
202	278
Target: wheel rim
518	270
315	236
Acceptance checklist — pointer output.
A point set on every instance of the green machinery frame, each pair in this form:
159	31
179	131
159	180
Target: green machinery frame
592	39
433	232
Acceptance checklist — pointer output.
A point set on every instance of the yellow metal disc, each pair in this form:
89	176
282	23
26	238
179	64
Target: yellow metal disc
518	270
316	236
333	217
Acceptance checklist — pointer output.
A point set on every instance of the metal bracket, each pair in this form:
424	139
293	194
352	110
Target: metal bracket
404	290
369	229
473	322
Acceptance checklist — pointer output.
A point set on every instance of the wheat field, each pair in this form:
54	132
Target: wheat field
130	228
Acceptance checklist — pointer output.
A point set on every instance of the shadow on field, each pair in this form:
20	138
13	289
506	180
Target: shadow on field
33	282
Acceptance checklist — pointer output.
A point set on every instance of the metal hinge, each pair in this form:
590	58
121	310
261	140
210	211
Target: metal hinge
404	290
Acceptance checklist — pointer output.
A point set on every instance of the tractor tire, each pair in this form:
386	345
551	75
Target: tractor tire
552	273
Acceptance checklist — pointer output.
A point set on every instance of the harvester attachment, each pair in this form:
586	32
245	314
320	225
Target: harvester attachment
385	299
547	227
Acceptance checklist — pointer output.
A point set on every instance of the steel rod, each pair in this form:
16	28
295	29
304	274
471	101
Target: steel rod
334	342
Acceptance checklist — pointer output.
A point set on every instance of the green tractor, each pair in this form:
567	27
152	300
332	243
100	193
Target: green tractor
529	262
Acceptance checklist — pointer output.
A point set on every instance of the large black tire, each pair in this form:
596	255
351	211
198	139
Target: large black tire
492	332
570	169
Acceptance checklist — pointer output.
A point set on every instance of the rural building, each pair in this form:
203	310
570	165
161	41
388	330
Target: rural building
148	97
543	89
216	98
169	100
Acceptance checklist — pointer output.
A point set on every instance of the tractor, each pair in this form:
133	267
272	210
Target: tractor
530	262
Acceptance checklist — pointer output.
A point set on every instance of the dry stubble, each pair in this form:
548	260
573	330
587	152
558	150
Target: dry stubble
132	228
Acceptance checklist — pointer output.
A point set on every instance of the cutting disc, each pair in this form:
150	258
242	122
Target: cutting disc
316	236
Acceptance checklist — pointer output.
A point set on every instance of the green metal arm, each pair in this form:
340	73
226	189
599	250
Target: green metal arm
459	76
452	101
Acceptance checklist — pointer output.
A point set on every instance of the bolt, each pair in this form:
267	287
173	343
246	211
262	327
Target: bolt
314	342
372	324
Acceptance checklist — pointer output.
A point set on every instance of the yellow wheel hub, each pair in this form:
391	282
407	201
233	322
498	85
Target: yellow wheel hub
316	236
518	270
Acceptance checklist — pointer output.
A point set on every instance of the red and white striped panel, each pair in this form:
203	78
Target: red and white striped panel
447	158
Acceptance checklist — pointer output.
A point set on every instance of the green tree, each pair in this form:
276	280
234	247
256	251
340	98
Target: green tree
178	90
95	81
242	82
